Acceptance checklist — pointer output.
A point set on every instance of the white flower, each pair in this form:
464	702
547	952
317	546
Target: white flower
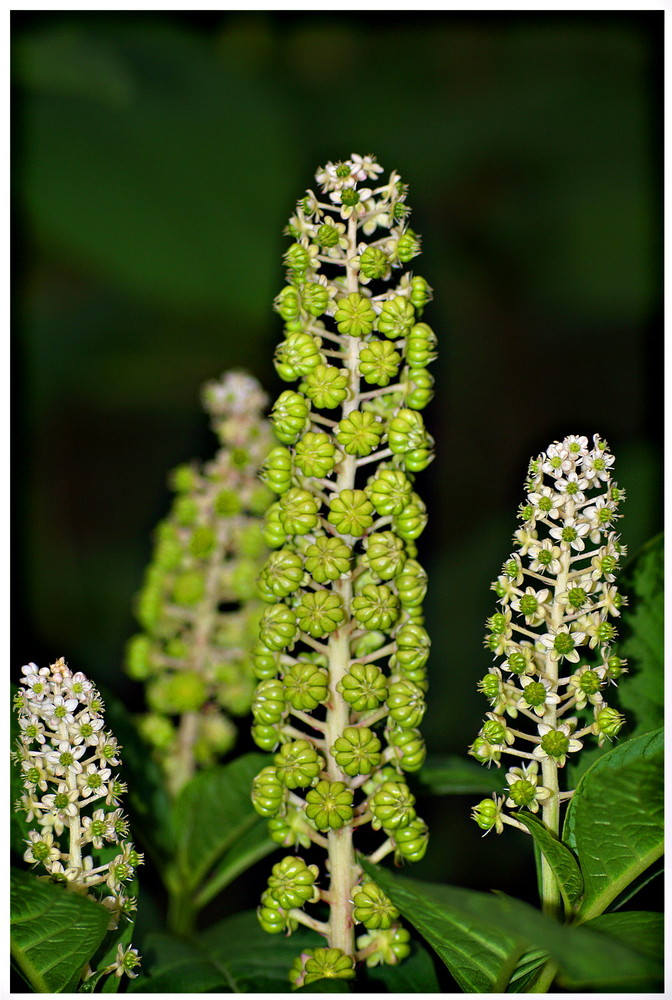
562	644
572	531
61	709
572	486
545	557
556	742
126	960
576	445
41	848
534	605
525	539
87	729
65	758
365	167
596	466
92	781
592	683
557	461
546	502
33	728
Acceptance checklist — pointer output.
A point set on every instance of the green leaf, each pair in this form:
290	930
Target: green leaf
452	775
53	932
213	815
638	929
233	956
526	971
416	974
255	962
560	859
147	800
173	965
637	885
132	163
244	852
480	937
641	638
614	821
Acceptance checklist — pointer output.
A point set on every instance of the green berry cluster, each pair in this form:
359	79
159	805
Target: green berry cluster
198	608
342	653
552	634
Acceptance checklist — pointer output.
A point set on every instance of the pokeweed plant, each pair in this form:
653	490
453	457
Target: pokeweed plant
342	654
552	637
78	833
198	607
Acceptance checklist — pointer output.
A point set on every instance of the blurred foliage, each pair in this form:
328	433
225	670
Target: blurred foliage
157	156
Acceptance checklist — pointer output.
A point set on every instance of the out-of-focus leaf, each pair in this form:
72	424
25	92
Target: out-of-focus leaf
148	189
67	60
561	860
243	853
641	638
173	965
325	986
147	798
233	956
640	929
452	775
213	814
480	937
416	974
614	821
53	932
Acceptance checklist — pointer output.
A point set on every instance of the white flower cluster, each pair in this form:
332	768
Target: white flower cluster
66	757
556	594
374	207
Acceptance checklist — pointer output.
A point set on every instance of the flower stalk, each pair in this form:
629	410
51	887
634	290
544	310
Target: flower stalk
342	651
552	636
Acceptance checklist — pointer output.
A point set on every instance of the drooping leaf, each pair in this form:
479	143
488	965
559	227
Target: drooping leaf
641	638
213	815
453	775
560	859
477	934
53	932
614	821
637	885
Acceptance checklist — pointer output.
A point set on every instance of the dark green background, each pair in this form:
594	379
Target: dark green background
157	157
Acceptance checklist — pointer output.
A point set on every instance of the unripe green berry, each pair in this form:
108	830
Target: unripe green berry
277	470
298	511
372	907
378	362
377	607
329	805
351	512
292	882
392	806
272	917
327	559
319	613
277	628
298	764
359	433
354	315
315	455
268	704
396	318
326	386
411	841
385	554
406	703
364	687
409	747
269	794
306	686
357	751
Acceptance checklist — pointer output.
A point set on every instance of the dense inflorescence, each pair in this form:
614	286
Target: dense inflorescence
342	655
72	795
552	636
198	607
